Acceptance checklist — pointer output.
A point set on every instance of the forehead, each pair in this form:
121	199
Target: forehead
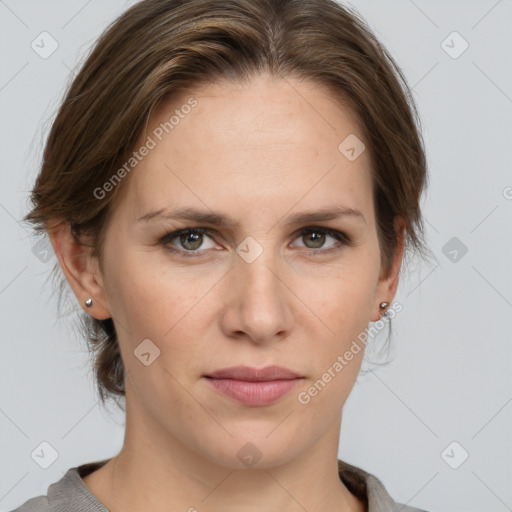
269	144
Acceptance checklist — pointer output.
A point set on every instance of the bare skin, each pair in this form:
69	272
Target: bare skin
259	154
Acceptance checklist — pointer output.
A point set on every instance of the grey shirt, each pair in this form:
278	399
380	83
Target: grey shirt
70	494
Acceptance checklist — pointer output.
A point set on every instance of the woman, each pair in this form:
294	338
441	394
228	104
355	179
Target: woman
230	189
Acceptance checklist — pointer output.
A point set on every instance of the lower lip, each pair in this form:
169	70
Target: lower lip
254	393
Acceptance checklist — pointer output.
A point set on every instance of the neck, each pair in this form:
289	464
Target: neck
155	471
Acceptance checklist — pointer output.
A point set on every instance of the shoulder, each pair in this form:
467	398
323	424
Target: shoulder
399	507
380	497
69	494
37	504
368	487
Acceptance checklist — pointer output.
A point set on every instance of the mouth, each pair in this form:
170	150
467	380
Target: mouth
253	386
251	374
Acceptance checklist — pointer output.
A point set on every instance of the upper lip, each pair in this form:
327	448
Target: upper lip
249	373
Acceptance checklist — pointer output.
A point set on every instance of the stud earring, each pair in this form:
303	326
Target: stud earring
383	306
88	303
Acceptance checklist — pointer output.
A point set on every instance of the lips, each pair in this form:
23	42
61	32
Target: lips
250	374
252	386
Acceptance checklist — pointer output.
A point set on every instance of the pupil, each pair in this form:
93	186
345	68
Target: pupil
195	237
317	237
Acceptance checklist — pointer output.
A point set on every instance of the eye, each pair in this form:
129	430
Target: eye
191	239
316	236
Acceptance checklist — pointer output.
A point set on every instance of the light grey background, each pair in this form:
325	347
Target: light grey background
451	376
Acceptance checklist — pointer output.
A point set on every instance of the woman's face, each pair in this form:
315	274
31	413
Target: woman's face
253	290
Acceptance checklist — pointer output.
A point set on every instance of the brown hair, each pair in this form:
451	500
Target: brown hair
158	48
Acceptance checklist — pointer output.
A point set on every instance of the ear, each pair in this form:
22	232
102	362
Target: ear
80	269
388	282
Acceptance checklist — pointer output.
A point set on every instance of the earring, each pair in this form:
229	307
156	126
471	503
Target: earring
383	306
88	303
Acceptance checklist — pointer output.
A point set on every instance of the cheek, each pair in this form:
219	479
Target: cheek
345	300
161	306
339	350
144	298
343	306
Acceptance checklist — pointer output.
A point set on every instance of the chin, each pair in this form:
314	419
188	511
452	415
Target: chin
259	451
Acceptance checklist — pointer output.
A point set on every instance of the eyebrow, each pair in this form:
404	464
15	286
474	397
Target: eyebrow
218	219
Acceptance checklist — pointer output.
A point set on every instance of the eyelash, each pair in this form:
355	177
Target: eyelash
338	235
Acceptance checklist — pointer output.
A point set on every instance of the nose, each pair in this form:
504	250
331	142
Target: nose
259	304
